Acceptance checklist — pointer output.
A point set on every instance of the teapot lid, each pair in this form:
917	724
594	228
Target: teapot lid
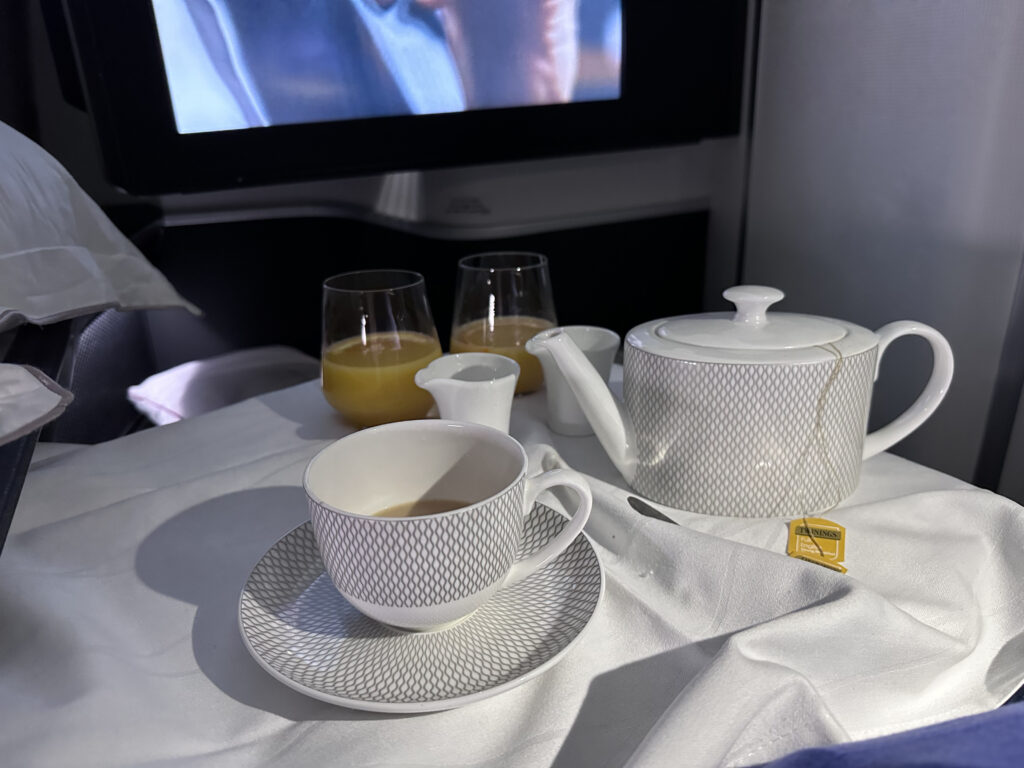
751	334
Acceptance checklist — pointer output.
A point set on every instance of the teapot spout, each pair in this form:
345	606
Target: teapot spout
607	416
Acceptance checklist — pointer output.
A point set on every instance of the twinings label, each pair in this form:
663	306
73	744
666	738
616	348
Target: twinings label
821	533
819	541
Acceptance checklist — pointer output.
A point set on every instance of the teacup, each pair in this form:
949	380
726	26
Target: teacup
428	571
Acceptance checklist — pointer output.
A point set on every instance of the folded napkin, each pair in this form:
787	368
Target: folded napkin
200	386
761	654
60	256
28	400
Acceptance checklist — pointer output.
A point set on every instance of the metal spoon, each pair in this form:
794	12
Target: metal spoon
647	510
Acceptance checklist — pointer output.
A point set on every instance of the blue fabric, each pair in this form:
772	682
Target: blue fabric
989	740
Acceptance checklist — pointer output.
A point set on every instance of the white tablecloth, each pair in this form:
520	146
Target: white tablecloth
119	642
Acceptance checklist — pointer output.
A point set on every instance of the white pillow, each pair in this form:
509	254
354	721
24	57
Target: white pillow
200	386
60	256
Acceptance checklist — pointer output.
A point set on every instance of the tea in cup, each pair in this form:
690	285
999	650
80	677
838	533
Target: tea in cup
419	522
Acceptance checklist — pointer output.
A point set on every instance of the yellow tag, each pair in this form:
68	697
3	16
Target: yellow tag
826	563
817	540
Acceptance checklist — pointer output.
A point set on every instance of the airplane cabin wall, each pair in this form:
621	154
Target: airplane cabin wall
886	182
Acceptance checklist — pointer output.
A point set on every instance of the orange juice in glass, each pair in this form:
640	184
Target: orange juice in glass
377	333
503	299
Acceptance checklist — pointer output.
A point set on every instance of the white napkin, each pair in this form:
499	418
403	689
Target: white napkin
927	625
60	256
200	386
28	400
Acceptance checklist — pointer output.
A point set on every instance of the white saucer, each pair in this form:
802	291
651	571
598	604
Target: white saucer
303	632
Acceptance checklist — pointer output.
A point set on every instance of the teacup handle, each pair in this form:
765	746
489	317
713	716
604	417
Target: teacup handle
572	529
928	400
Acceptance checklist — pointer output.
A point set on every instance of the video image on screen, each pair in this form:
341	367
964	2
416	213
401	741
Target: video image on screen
234	64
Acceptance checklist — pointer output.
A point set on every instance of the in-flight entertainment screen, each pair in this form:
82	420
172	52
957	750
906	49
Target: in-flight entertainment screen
235	64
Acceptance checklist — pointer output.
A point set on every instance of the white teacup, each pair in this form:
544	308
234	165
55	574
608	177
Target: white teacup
428	571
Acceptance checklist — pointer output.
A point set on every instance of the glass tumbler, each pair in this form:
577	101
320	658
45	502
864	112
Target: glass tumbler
377	332
502	300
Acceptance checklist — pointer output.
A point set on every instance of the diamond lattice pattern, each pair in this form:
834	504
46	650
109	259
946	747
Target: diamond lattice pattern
298	623
748	440
421	561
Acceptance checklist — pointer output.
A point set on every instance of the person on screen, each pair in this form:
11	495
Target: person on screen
512	52
243	63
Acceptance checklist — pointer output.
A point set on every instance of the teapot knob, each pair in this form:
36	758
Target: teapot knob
752	302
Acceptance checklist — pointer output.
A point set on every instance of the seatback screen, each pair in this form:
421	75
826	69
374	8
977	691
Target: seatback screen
235	64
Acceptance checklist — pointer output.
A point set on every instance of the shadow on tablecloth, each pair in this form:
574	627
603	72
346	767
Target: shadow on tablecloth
623	705
204	555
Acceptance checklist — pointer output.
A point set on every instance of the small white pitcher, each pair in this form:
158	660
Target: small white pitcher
472	386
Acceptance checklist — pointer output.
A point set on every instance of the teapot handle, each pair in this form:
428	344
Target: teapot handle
928	400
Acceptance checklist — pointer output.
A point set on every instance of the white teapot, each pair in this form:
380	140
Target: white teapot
751	414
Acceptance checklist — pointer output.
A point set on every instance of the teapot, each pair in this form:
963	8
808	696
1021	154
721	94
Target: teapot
748	413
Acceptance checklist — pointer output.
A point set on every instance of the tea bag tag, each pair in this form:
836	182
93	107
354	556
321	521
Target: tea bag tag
817	540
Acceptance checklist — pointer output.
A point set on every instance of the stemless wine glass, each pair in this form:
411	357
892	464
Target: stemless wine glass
502	300
377	332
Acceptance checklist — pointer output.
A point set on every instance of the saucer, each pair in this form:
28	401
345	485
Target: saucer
301	630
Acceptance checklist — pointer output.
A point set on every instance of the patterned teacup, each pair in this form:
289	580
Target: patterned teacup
419	522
